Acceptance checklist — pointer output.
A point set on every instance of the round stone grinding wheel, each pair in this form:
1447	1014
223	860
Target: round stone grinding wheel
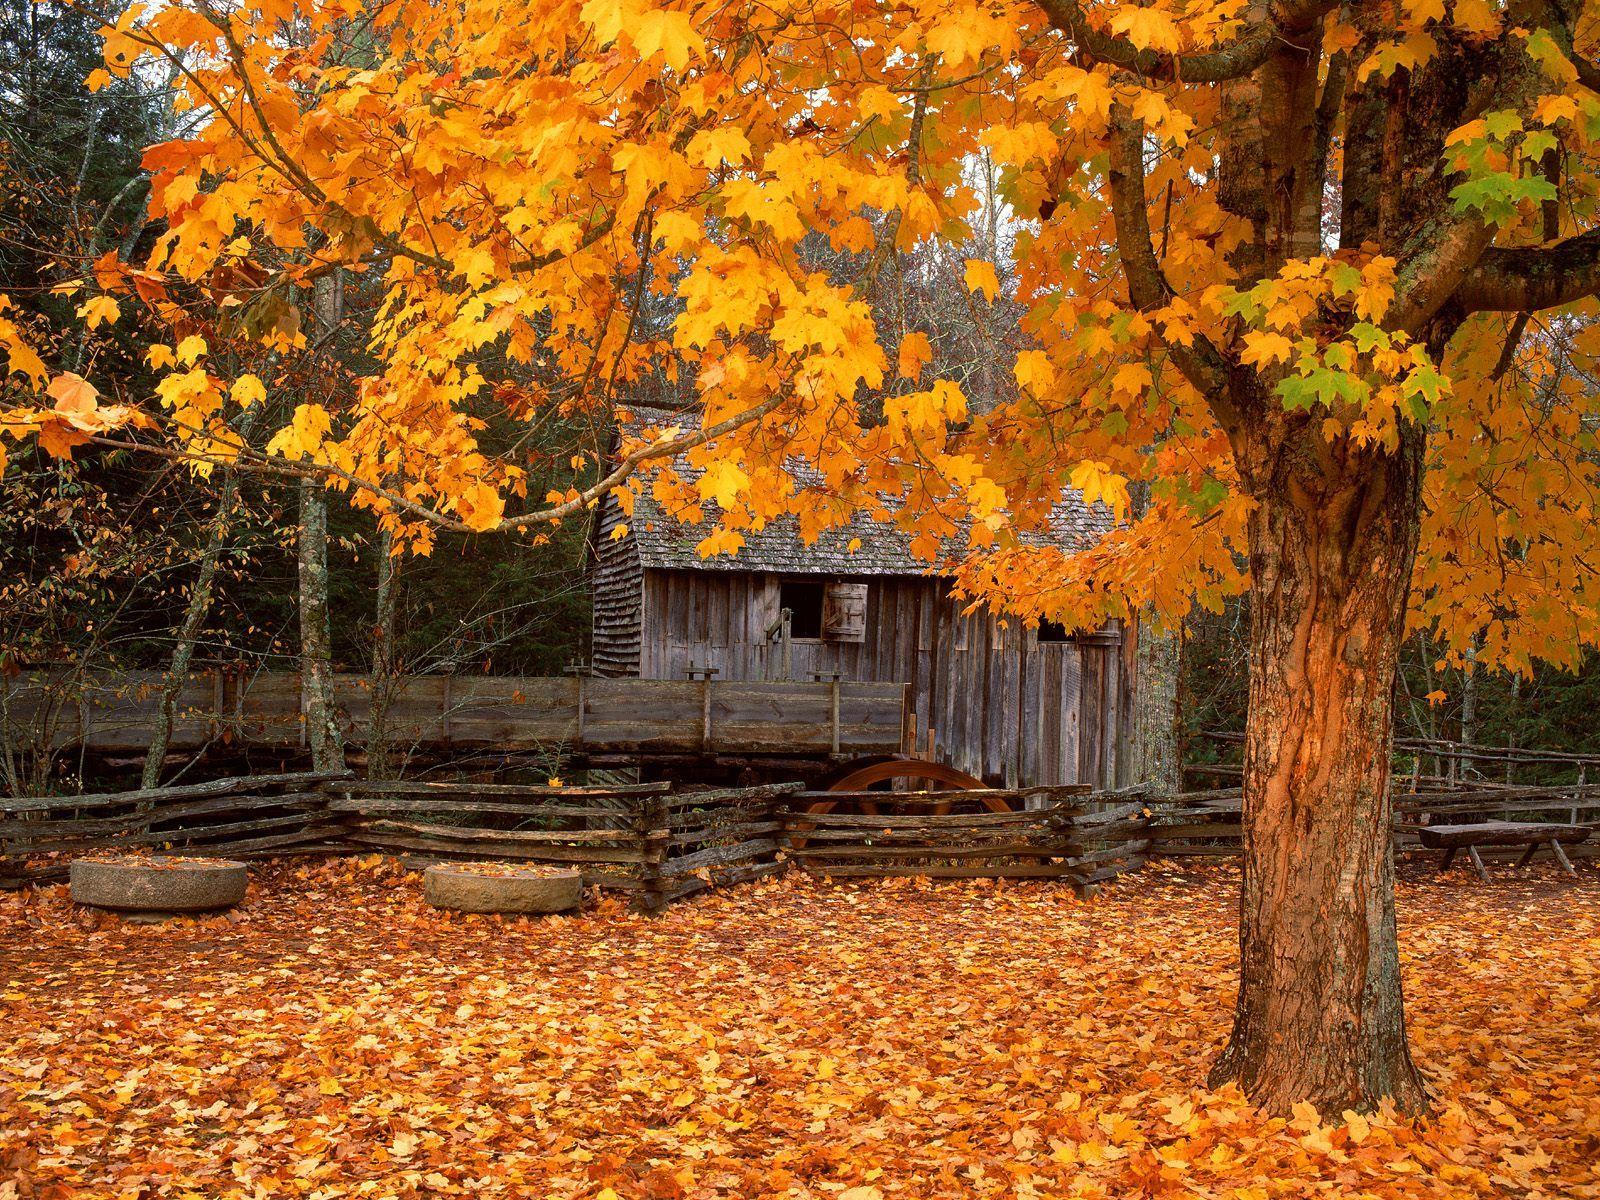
496	888
159	885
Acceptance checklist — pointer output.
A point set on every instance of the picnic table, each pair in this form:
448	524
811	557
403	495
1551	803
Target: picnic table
1532	834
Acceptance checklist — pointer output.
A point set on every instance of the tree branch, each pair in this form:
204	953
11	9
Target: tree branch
259	462
1201	364
1254	45
1533	278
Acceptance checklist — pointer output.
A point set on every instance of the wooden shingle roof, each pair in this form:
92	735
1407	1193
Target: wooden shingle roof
665	543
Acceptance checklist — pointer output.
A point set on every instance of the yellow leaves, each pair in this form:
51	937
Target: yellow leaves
763	204
720	541
1420	12
99	310
1360	1129
1100	484
607	18
722	481
248	390
1407	53
926	412
480	506
476	264
1481	17
957	41
1034	372
1377	288
191	349
980	278
668	33
713	147
20	357
303	437
1263	348
191	396
1131	379
1147	28
915	353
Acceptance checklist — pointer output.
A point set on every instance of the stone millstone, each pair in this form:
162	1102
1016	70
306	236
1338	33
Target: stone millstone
445	885
191	885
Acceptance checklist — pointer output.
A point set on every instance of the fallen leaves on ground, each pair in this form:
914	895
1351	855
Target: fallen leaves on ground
337	1037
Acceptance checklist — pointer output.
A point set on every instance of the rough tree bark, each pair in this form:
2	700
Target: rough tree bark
1333	535
316	636
1319	1013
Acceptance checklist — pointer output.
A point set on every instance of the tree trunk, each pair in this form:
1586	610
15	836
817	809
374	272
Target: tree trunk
385	663
1319	1014
194	616
1469	706
1157	755
316	636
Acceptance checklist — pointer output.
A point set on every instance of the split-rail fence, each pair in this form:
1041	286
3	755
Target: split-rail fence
644	839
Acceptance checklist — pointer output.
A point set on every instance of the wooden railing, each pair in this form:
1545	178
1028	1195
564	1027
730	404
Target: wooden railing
576	714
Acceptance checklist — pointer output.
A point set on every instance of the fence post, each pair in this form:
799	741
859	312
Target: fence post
654	837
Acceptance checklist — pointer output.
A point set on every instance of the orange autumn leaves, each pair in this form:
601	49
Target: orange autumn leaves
899	1042
563	205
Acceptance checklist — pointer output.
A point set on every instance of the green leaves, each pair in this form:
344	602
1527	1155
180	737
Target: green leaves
1496	195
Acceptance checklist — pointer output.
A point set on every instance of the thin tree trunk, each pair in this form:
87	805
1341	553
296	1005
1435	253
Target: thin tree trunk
1469	704
316	636
1513	713
385	662
1157	753
194	616
1158	667
1319	1015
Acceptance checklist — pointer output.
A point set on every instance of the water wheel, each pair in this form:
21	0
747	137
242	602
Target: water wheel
887	770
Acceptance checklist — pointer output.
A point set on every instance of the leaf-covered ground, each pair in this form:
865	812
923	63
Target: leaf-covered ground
339	1038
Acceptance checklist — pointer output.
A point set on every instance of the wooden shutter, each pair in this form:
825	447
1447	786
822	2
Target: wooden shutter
844	612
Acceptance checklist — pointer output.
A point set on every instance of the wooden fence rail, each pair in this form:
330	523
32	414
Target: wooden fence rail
254	817
1056	833
1209	823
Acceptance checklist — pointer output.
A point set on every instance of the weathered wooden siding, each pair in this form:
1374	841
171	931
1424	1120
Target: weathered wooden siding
985	694
618	595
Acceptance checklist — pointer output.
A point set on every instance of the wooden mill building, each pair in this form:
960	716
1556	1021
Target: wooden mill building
1015	704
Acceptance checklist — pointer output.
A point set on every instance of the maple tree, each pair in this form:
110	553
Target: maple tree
1317	274
335	1035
